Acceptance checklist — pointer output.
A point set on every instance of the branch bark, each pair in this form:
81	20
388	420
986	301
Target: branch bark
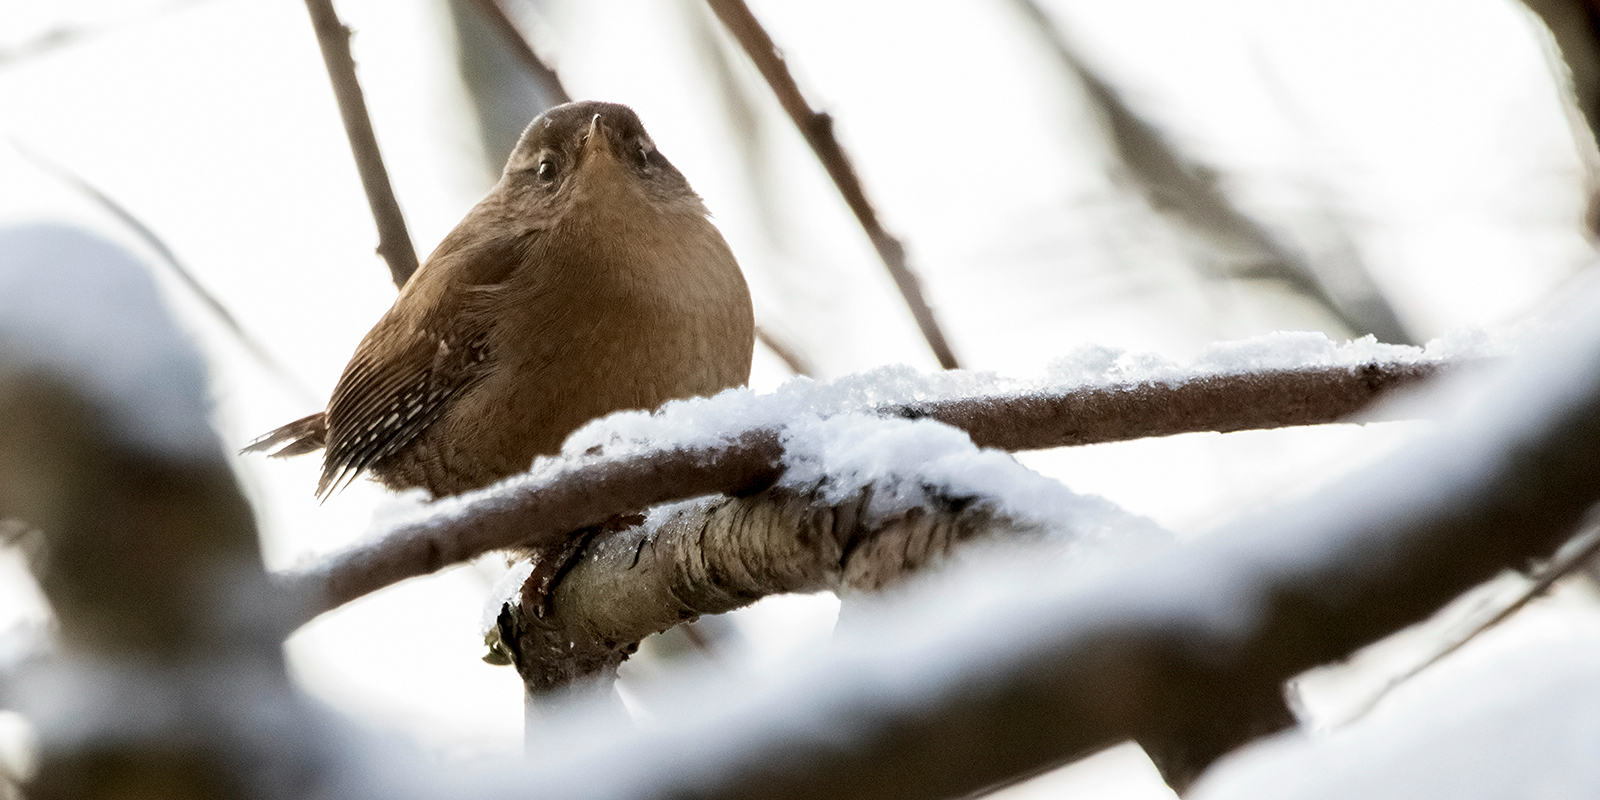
539	511
394	241
817	128
715	558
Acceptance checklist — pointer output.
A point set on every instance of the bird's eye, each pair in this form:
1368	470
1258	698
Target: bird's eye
547	170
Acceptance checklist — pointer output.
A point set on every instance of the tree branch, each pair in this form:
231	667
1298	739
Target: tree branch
541	508
1185	652
723	555
494	12
817	128
394	241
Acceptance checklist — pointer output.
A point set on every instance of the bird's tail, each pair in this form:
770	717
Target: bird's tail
304	435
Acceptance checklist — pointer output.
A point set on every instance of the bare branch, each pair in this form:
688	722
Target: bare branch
1177	187
394	241
494	12
540	510
817	128
797	363
156	243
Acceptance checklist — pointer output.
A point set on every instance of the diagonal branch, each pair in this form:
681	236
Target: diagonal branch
1180	189
542	507
817	128
494	12
155	242
394	241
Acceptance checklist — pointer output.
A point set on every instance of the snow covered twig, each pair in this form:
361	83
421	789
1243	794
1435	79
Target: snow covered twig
587	491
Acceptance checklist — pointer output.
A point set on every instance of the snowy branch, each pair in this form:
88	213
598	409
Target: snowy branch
1185	651
538	509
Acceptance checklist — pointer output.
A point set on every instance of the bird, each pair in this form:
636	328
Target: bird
589	280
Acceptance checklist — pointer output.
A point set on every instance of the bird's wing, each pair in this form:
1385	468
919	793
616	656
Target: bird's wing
415	361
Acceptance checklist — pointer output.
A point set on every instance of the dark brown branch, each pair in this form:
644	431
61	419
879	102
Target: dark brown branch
494	12
394	241
817	128
540	511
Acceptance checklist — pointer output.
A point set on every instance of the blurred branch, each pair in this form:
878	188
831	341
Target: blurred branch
817	128
1574	25
494	12
1179	188
1580	553
156	243
62	36
151	566
540	512
394	242
797	363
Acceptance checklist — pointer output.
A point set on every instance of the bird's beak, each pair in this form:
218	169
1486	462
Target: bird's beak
595	139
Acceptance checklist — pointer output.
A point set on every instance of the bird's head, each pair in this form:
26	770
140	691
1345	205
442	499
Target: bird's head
591	148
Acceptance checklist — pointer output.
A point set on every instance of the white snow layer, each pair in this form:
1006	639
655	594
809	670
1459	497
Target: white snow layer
79	308
835	445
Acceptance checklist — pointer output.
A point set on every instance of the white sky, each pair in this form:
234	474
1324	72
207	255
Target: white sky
1431	128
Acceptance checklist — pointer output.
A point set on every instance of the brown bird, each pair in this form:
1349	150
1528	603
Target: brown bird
589	280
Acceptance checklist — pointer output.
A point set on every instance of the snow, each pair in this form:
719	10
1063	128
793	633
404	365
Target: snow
505	590
77	307
1095	364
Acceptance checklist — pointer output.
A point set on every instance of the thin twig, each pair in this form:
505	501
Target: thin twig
792	358
394	242
536	512
817	128
495	13
156	243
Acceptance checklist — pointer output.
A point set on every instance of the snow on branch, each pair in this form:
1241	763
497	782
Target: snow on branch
1001	673
735	443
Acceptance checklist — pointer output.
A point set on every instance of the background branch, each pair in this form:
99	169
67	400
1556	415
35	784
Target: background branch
394	241
1177	187
540	509
817	128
